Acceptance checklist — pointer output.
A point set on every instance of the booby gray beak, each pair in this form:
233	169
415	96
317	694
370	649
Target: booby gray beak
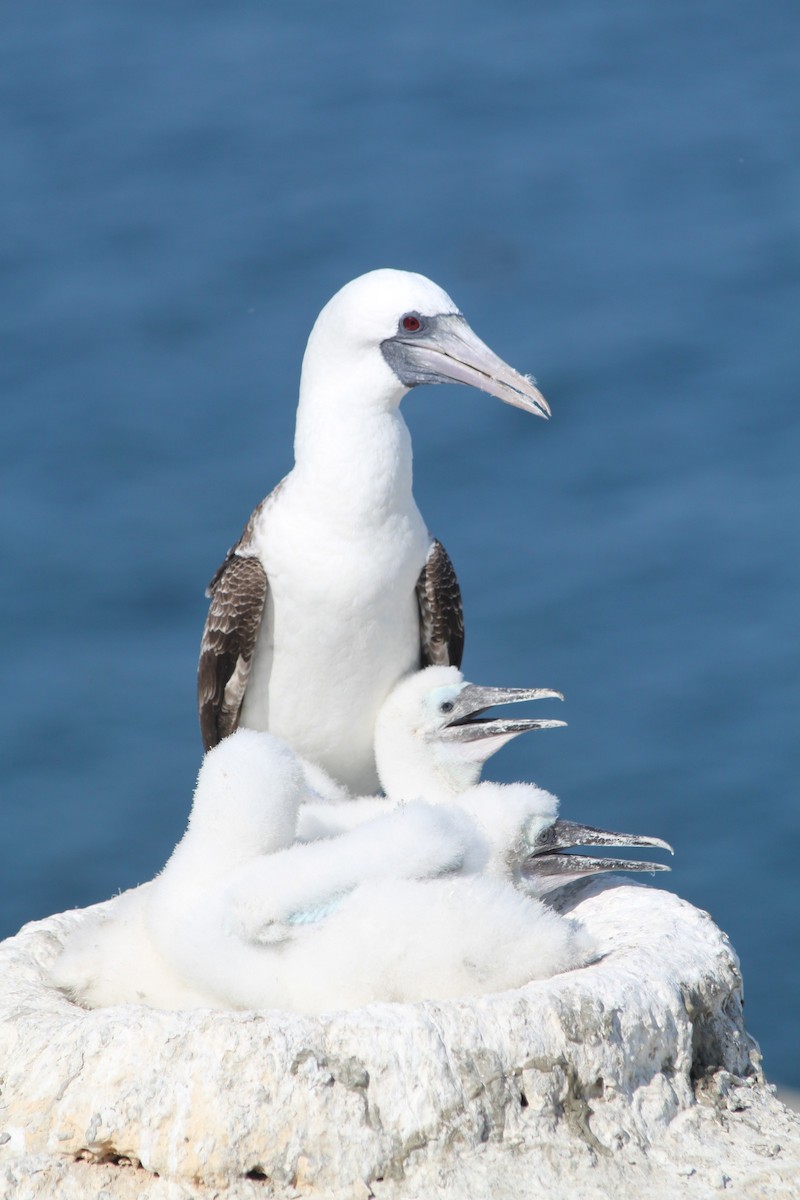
548	867
464	723
445	350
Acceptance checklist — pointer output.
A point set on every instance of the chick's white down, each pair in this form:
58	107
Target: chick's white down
244	917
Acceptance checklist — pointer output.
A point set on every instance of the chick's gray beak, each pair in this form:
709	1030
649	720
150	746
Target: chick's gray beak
550	867
445	350
464	723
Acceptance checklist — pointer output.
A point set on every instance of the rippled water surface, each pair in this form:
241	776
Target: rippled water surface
611	193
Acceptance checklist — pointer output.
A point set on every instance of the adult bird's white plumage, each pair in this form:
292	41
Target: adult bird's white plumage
336	588
242	918
431	741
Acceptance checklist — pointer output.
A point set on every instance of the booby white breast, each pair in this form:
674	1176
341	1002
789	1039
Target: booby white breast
336	588
242	918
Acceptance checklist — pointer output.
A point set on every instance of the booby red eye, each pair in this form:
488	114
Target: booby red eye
411	324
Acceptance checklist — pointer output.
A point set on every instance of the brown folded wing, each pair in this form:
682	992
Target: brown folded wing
238	593
440	611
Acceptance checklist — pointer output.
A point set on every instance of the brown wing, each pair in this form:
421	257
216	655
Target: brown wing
441	617
238	592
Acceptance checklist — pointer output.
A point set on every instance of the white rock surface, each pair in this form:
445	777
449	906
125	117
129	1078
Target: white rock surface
633	1076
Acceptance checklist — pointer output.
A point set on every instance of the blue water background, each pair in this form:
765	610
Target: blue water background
611	193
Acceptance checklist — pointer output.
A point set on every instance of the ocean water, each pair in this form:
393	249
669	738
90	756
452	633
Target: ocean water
611	193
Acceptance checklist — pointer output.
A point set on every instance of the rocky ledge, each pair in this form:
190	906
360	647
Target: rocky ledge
632	1076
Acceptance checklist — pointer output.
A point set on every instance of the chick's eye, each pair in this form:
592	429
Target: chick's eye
411	324
446	706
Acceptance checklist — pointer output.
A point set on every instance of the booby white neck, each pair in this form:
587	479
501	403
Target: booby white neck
352	446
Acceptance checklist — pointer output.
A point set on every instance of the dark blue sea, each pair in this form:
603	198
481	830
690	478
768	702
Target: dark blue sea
611	192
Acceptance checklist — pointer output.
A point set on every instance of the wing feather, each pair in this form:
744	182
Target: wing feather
238	593
441	616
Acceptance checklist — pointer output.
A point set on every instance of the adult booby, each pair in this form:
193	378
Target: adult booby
242	918
336	588
431	741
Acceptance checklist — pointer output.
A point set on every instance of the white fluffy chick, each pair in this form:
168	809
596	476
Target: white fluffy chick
241	917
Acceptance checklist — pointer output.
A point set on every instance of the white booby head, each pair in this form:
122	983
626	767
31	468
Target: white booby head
527	841
245	803
336	584
431	738
388	331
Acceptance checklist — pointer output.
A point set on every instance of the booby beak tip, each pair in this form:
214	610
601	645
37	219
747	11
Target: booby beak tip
539	405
